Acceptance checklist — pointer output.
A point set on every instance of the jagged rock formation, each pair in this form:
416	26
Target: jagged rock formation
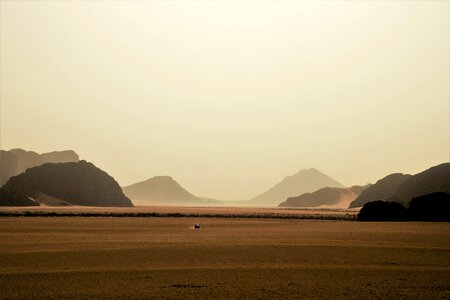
433	180
160	189
305	181
16	161
336	197
381	190
79	183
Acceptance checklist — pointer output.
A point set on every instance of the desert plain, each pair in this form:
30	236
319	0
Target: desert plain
80	257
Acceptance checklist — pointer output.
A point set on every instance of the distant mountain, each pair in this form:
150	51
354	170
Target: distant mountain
305	181
8	166
433	180
55	184
161	189
381	190
333	197
16	161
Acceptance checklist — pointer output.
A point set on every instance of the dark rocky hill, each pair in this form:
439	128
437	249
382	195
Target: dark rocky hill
73	183
16	161
381	190
433	180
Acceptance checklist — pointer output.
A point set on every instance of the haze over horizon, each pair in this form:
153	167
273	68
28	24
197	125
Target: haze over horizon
228	98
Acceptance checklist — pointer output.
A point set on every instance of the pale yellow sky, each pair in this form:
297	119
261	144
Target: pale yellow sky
229	97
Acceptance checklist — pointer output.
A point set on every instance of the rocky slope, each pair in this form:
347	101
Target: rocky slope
433	180
381	190
16	161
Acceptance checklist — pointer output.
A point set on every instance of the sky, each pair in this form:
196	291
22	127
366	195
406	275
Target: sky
229	97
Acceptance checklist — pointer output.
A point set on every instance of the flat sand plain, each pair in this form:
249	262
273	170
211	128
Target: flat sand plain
239	258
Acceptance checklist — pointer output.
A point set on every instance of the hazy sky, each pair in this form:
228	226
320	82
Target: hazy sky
229	97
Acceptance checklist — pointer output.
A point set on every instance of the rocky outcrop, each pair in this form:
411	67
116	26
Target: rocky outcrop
16	161
74	183
305	181
160	189
333	197
433	180
381	190
433	207
383	211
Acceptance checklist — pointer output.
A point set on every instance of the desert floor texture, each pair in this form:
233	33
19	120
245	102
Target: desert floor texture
129	258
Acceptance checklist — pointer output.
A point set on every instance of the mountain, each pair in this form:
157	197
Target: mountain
381	190
433	180
160	189
73	183
305	181
335	197
8	166
16	161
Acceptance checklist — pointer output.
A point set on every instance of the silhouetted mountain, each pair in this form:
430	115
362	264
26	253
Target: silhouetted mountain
431	207
305	181
336	197
435	179
16	161
74	183
160	189
381	190
383	211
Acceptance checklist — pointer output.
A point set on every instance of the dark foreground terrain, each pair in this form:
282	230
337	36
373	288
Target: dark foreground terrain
107	257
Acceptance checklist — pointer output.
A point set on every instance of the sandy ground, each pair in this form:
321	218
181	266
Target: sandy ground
129	258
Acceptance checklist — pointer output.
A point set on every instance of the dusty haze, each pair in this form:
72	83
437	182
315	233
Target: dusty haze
229	97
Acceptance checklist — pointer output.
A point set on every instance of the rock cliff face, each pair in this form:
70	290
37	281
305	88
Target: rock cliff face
16	161
305	181
335	197
381	190
159	189
79	183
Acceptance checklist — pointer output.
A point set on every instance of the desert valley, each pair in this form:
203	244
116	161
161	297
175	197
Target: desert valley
68	231
224	149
